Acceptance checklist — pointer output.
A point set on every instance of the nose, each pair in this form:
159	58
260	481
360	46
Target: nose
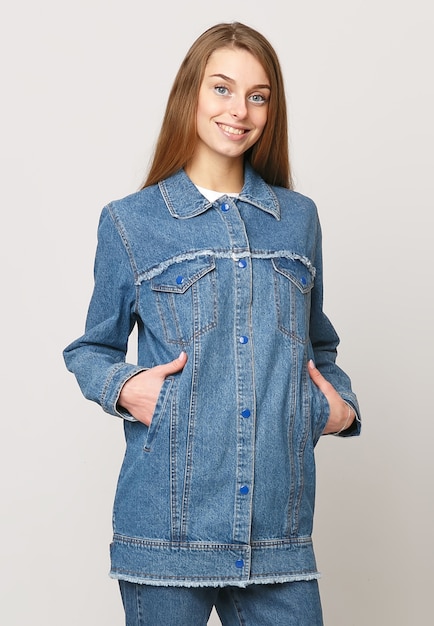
238	108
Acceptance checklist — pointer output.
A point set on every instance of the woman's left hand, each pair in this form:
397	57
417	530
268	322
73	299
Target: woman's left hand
341	414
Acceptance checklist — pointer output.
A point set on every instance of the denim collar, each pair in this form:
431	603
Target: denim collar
184	200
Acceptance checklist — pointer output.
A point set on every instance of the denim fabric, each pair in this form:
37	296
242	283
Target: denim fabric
282	604
219	490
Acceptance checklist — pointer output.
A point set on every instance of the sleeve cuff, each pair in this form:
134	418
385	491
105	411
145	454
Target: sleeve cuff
117	377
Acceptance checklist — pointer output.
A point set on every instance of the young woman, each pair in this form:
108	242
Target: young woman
218	263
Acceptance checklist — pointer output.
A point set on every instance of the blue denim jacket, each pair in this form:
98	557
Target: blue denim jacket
219	490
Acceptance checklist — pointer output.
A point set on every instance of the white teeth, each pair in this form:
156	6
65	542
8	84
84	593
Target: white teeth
231	130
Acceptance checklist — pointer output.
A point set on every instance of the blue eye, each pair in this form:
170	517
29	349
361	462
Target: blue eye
258	98
221	90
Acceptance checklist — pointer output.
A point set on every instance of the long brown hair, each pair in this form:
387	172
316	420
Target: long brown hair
177	140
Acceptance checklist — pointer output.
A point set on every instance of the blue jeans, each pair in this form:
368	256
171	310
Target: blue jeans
282	604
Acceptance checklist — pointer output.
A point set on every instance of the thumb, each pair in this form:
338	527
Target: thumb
174	366
318	378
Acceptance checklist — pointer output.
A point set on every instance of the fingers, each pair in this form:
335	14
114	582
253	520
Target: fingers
173	366
319	379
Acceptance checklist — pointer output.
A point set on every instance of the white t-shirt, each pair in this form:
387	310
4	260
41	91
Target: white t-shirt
213	195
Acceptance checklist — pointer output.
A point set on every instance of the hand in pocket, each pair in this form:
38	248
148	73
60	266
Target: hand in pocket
140	393
341	414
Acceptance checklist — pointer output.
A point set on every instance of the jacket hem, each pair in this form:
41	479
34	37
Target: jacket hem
270	580
206	564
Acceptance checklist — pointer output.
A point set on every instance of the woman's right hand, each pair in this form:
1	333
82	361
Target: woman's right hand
140	393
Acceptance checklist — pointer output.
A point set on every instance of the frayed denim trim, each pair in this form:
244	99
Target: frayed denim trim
268	580
279	254
180	258
223	254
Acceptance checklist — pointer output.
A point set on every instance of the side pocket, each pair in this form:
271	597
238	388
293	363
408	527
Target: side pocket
320	412
160	411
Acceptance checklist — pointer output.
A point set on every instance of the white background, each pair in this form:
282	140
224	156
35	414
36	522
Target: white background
84	85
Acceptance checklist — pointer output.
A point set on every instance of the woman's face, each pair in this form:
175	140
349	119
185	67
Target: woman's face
232	105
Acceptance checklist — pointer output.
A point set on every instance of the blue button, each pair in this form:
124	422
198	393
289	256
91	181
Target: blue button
225	207
242	263
244	490
303	281
239	563
179	280
244	339
245	413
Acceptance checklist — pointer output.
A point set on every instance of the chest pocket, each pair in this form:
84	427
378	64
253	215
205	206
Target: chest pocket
186	296
293	283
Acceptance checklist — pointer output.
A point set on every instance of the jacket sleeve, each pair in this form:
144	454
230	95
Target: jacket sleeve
97	358
325	341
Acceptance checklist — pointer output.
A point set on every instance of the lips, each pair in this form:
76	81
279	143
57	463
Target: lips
231	130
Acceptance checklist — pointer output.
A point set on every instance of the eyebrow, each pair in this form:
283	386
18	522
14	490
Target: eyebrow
231	80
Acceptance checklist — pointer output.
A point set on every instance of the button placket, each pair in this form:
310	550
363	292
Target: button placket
245	380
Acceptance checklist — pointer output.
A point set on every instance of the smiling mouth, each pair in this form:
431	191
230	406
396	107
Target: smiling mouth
231	130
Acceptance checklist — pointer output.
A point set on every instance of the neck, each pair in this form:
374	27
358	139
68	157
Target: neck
225	175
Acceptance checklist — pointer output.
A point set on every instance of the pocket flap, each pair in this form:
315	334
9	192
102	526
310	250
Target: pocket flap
296	271
180	276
